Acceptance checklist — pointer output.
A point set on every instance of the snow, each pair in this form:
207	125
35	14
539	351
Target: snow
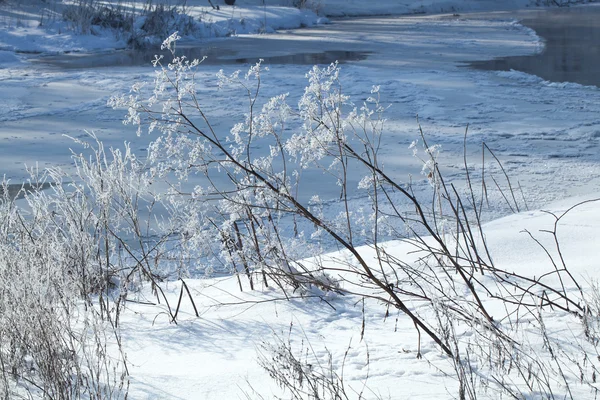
233	325
546	133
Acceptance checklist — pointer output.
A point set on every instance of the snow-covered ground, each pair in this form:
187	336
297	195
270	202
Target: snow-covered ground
216	356
547	134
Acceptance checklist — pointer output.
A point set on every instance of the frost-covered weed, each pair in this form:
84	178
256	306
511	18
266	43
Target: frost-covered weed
85	16
68	256
256	210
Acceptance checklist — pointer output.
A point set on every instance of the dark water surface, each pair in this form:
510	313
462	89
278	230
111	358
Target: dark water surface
571	54
215	55
572	46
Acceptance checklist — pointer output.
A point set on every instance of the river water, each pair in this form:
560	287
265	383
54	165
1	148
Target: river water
571	52
572	46
214	54
416	60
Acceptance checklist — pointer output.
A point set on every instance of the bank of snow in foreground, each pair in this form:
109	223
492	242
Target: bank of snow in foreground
375	349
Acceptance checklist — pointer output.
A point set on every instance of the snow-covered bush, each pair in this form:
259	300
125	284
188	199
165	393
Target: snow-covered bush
84	15
157	23
139	27
314	5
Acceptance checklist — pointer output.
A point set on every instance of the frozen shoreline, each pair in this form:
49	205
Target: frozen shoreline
36	27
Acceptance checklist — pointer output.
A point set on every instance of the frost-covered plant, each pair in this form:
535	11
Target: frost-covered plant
53	341
302	374
85	14
157	22
138	26
68	257
314	5
257	212
558	3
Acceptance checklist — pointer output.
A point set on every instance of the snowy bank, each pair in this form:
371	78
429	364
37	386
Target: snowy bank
217	355
38	26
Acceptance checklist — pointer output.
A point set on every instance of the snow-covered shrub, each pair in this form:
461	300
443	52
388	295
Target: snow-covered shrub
54	343
146	26
85	14
264	226
157	23
314	5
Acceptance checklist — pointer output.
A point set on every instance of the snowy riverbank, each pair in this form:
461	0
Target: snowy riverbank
38	27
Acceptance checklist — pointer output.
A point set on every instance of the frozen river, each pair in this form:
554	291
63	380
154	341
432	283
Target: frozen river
548	134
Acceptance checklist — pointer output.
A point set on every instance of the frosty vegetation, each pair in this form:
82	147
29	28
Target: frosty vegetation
139	26
72	256
145	23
